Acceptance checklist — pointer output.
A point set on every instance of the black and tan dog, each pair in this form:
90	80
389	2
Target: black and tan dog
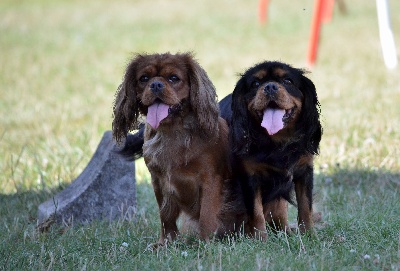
274	134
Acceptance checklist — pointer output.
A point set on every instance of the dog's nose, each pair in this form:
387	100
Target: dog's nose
271	89
156	87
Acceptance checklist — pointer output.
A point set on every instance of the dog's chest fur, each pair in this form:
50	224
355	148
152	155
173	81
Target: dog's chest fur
170	146
166	150
171	155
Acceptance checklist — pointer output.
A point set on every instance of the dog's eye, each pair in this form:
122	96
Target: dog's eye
255	84
287	81
144	78
173	79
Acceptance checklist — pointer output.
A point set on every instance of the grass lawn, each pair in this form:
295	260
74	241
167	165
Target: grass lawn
61	63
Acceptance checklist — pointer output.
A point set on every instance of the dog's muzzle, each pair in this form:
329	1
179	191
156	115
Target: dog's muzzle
157	87
271	89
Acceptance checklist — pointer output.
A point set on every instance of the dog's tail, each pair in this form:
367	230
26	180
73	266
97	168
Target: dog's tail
133	146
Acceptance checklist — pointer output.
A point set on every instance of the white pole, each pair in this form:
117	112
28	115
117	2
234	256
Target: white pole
386	34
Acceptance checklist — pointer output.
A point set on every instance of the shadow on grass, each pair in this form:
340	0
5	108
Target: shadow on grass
359	178
335	189
25	204
358	200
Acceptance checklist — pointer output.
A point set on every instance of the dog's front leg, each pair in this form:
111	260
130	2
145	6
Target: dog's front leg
211	204
303	188
256	223
276	215
169	213
168	216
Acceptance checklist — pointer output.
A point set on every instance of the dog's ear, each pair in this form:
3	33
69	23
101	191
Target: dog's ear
126	109
203	97
309	120
239	136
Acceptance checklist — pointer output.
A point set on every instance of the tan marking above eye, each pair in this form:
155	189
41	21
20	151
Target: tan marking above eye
260	74
280	72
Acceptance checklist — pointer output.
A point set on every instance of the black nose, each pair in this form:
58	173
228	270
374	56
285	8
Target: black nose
271	89
156	87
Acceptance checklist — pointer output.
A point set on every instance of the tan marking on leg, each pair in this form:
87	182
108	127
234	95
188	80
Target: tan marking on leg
304	211
276	215
259	229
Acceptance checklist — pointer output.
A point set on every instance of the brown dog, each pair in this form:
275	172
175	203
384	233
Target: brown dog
185	141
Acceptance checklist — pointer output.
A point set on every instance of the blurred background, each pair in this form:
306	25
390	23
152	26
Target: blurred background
62	61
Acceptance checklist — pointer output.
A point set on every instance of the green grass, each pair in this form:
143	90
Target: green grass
61	63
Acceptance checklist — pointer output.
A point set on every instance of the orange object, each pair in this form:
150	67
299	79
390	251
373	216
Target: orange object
315	30
262	10
323	11
327	7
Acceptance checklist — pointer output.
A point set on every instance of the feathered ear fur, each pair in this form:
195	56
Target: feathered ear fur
309	119
126	107
203	97
239	135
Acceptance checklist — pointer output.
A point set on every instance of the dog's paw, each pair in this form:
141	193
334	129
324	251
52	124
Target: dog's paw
157	246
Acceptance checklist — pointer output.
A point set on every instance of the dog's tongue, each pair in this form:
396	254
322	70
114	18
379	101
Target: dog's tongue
156	113
272	120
